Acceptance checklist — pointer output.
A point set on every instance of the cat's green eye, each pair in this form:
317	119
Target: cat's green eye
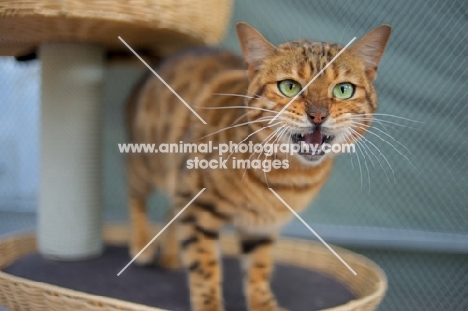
343	91
289	88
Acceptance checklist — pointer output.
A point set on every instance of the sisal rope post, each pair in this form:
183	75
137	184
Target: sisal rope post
69	214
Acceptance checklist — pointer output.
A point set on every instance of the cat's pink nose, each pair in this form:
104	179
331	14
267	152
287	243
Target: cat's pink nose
317	117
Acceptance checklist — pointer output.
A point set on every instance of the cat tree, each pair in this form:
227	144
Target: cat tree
71	38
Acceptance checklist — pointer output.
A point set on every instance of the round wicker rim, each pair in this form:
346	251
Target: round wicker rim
158	27
18	294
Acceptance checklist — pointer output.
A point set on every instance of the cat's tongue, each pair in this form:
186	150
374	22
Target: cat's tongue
314	138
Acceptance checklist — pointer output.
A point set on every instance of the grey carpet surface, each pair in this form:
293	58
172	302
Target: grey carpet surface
296	289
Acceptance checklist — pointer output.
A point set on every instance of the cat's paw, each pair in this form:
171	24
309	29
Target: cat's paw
169	261
146	258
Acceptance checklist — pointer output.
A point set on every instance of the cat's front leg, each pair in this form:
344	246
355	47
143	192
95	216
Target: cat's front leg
257	265
139	231
198	235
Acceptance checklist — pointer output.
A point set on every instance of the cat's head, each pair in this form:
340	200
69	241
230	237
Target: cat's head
336	108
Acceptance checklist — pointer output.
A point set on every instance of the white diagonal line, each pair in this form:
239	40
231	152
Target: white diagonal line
313	231
162	80
313	79
159	233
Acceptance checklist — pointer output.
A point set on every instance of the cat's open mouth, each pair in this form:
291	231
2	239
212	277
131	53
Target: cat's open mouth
311	144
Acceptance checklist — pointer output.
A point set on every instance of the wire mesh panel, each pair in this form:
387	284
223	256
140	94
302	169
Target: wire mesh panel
420	281
19	139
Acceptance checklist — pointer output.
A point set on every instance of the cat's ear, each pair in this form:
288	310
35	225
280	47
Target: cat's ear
371	47
254	46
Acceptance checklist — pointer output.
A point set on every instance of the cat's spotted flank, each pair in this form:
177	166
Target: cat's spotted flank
336	108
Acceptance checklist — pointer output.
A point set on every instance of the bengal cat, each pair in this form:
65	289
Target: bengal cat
337	107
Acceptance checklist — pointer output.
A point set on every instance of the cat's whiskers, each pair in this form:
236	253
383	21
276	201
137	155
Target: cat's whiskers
263	119
386	134
354	121
357	157
264	99
265	141
289	143
250	135
293	122
364	139
236	95
238	119
365	161
377	122
245	114
364	142
394	116
236	107
365	164
363	149
380	121
261	97
368	130
359	138
264	173
256	96
262	144
284	128
287	132
278	137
